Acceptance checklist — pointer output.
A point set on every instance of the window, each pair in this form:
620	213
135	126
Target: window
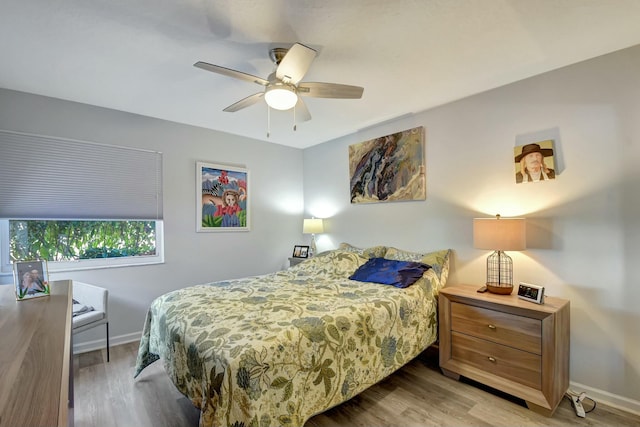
76	240
72	245
78	204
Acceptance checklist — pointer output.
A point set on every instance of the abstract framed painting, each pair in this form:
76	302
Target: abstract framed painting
389	168
222	198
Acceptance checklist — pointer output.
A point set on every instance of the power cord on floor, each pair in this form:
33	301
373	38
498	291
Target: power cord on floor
576	401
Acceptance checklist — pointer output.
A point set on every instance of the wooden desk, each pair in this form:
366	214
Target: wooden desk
36	380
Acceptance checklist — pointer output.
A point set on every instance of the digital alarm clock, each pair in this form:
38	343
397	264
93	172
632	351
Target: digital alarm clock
529	292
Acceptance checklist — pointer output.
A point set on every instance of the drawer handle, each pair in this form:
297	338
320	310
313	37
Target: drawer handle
491	326
492	359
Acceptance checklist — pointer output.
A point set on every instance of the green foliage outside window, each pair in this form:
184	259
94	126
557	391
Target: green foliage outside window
77	240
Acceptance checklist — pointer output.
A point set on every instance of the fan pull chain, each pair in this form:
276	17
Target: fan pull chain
268	121
294	119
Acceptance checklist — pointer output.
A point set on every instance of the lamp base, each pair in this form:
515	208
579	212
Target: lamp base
312	248
501	290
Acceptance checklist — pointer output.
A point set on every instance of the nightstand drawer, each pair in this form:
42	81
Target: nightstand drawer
503	361
520	332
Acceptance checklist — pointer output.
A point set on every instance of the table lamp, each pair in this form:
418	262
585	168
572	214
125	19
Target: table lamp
499	234
312	226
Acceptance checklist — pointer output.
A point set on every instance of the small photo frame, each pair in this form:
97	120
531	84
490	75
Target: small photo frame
530	292
300	251
31	279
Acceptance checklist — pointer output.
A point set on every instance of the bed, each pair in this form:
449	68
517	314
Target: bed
279	348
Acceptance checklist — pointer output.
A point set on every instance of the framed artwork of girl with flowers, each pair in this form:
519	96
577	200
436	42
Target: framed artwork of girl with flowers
222	198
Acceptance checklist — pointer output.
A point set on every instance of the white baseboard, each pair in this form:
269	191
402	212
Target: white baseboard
86	346
609	399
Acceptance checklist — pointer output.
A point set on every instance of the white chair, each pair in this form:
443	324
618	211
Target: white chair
91	296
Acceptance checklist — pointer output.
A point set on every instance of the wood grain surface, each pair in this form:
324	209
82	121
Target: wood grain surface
35	358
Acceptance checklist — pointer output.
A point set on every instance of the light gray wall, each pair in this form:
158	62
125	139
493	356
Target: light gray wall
583	229
190	257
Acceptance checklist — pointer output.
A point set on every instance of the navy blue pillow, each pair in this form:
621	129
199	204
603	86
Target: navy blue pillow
390	272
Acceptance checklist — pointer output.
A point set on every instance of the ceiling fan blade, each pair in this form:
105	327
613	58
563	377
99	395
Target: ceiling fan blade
231	73
295	63
329	90
302	112
246	102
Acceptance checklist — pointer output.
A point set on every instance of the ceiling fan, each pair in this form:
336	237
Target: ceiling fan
283	88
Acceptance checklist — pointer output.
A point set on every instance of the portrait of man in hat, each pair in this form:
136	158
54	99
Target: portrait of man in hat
534	162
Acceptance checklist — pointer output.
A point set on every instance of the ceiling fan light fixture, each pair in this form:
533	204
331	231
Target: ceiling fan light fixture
283	86
280	96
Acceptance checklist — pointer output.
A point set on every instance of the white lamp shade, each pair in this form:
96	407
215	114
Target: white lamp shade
502	234
312	226
280	97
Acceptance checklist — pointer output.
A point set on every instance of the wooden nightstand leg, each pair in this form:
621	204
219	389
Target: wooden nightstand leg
452	375
540	409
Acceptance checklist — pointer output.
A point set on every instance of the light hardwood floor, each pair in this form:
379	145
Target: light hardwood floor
417	395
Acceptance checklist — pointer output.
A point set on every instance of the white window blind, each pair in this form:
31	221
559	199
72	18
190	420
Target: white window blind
44	177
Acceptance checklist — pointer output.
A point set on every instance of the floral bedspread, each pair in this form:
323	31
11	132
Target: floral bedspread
276	349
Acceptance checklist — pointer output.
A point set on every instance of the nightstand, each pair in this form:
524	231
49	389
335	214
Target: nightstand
512	345
295	261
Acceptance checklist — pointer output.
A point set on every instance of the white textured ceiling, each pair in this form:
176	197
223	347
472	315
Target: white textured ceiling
138	55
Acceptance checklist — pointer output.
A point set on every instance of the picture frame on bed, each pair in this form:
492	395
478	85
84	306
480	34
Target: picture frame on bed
300	251
222	198
31	279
